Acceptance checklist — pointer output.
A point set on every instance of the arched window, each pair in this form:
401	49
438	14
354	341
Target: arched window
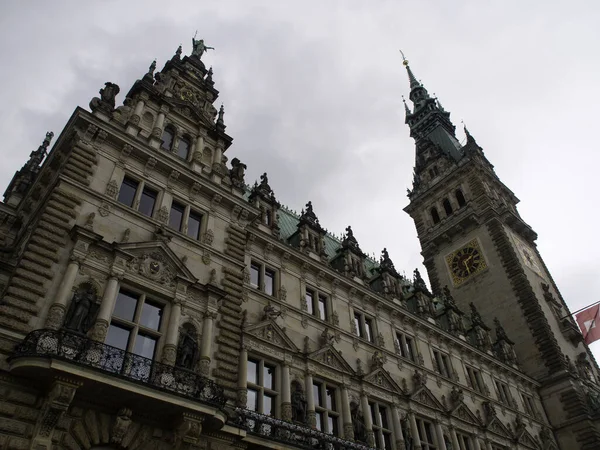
460	198
447	206
167	139
434	215
184	148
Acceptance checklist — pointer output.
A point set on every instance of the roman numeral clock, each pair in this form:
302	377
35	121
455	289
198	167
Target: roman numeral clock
466	262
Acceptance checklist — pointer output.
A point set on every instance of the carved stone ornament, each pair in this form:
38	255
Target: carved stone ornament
55	405
121	425
112	189
153	266
104	209
163	214
208	237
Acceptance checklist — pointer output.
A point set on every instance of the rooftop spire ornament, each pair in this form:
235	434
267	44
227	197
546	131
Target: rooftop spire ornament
199	47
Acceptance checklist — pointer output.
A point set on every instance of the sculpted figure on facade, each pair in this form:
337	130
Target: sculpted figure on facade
106	101
237	173
199	47
83	310
298	403
358	421
187	350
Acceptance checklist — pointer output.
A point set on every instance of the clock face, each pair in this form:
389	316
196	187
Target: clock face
528	255
465	262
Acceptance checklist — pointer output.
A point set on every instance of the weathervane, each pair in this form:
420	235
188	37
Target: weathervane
404	60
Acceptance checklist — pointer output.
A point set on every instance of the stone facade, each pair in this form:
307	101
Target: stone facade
152	299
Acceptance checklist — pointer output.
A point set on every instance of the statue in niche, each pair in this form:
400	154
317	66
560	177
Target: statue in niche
83	309
106	102
407	433
199	47
298	403
358	422
237	173
187	350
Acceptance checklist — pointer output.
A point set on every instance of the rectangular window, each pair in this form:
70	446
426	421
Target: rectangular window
317	304
127	192
503	393
176	216
326	409
474	378
442	363
380	416
194	223
364	326
147	201
263	278
135	327
529	405
267	217
464	442
405	346
426	434
261	383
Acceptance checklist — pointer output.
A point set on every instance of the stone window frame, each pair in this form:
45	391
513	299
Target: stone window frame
474	377
317	293
380	432
263	268
274	392
178	136
141	186
400	344
321	408
465	440
134	326
425	444
447	371
189	210
529	405
503	393
360	330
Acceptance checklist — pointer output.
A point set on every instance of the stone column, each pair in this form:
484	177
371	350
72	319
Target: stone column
158	125
310	401
454	437
106	307
242	391
207	339
56	314
414	430
137	113
364	401
169	354
397	427
198	149
439	432
286	395
488	445
476	443
346	416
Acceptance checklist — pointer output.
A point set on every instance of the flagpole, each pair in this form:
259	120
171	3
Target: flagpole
579	310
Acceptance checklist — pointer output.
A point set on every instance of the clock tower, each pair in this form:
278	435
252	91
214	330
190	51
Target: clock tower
475	242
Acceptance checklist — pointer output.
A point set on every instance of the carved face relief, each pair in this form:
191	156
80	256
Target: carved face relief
466	262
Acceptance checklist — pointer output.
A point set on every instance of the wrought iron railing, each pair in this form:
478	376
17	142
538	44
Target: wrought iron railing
292	434
78	349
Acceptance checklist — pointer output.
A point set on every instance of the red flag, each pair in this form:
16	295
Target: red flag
589	322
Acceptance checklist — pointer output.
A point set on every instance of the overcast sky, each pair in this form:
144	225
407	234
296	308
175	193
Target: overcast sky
312	93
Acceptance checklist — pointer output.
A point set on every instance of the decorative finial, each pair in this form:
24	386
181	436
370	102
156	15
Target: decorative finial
220	121
178	52
406	108
404	60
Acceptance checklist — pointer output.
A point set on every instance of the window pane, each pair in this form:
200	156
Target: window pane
251	376
251	400
268	405
373	413
409	348
269	281
317	397
147	202
319	417
144	346
387	441
151	315
309	302
176	216
254	275
428	433
117	337
268	374
125	305
183	148
127	191
332	425
330	399
267	217
383	417
369	329
357	323
194	222
167	140
322	307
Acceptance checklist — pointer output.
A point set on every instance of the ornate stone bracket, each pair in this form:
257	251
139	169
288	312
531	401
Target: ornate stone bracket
55	405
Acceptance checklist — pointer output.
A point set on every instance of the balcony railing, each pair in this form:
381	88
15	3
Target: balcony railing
288	433
78	349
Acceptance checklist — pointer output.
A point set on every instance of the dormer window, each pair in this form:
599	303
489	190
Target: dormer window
447	206
167	139
434	215
460	198
183	149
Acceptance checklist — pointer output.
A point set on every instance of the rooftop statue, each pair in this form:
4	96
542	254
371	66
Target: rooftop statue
199	47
